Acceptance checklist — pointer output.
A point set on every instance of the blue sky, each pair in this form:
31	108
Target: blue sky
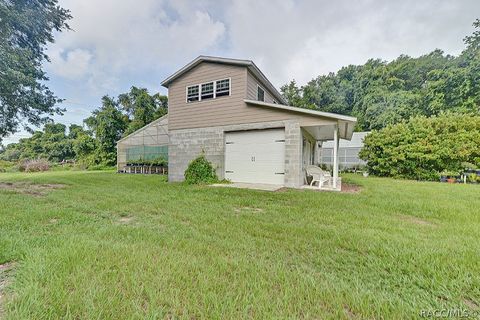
116	44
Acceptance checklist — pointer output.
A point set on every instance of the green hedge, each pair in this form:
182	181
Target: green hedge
423	148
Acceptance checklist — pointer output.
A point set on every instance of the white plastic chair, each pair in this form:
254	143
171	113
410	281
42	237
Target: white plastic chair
318	175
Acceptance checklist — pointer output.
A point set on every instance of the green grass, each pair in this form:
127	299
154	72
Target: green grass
110	246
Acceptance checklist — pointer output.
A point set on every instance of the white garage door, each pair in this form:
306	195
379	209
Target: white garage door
256	156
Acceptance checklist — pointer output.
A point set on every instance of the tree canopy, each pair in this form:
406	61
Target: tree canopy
52	143
141	107
380	93
26	27
95	142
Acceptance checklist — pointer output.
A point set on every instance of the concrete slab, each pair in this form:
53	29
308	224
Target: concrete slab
324	188
253	186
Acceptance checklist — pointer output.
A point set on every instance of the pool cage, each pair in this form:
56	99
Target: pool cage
146	150
348	153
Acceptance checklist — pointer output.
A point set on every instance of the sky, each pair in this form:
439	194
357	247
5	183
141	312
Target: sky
117	44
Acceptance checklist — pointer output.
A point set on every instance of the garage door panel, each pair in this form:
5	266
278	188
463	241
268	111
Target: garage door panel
255	156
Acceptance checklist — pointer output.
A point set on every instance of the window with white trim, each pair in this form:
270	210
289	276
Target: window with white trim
222	88
207	91
260	94
193	93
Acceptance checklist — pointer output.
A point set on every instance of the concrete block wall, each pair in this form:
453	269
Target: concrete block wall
185	145
293	155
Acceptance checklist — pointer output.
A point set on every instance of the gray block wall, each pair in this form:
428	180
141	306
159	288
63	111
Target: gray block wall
293	155
186	145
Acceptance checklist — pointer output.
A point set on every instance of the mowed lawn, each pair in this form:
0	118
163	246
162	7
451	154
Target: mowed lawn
111	246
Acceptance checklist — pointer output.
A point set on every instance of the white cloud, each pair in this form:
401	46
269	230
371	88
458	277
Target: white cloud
303	39
112	39
72	65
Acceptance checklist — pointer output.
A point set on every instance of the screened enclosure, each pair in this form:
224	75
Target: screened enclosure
145	150
347	152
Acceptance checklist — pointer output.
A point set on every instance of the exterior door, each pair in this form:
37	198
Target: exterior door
256	156
307	153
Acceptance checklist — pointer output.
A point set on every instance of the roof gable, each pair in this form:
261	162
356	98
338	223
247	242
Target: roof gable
236	62
162	120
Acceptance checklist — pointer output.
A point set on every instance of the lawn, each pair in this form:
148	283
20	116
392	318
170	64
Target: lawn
110	246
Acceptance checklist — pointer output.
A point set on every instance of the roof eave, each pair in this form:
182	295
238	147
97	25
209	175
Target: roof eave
200	59
322	114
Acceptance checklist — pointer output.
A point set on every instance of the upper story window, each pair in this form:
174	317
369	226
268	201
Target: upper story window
193	93
260	94
223	88
208	90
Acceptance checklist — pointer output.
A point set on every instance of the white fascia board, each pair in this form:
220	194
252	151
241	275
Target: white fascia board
322	114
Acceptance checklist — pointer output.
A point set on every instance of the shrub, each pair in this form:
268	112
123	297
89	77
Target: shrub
100	167
200	171
6	166
160	161
35	165
422	148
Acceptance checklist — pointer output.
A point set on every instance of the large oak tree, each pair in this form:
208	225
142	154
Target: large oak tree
26	28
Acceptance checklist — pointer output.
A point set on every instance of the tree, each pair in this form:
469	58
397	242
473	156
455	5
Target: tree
292	93
51	143
161	102
473	41
141	107
74	131
107	125
84	147
26	27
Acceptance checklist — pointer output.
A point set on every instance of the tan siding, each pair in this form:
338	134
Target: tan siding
252	86
227	110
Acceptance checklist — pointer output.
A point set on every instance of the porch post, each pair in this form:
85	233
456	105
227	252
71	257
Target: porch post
335	156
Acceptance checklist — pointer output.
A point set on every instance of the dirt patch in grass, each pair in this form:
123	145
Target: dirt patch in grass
471	304
346	188
5	270
416	220
30	188
351	188
248	209
125	220
349	313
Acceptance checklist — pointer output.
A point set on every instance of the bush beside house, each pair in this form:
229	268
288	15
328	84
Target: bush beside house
200	171
423	148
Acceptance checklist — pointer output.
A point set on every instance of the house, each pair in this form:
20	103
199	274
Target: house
348	151
229	110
